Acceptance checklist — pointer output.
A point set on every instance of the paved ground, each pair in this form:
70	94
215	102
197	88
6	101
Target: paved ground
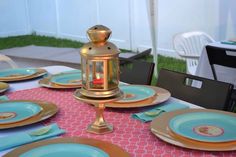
38	56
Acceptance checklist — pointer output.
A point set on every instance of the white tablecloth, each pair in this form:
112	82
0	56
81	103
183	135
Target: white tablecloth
224	74
34	84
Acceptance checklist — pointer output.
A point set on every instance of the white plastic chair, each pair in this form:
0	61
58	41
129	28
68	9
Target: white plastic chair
8	60
189	45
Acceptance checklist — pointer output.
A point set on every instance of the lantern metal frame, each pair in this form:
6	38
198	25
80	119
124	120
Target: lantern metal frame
107	90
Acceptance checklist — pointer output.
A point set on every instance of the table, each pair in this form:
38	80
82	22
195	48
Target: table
224	74
74	116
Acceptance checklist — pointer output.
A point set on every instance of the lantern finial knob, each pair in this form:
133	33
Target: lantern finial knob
99	34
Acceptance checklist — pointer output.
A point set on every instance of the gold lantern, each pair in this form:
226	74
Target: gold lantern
100	75
100	64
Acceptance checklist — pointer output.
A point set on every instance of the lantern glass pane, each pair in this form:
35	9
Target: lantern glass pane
96	74
113	70
83	71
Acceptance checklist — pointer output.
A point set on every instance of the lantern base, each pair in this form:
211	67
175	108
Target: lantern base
106	128
100	94
99	126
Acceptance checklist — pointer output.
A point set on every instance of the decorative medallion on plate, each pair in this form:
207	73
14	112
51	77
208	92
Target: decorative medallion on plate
7	115
208	130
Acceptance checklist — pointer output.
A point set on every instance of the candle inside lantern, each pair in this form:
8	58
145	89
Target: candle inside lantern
98	79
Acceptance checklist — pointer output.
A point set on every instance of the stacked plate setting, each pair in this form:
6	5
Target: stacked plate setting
140	96
200	129
21	112
63	80
11	75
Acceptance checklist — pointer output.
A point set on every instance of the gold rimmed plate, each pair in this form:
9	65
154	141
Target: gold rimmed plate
46	82
47	110
3	87
38	73
205	126
164	133
72	146
16	73
67	79
12	112
135	93
161	95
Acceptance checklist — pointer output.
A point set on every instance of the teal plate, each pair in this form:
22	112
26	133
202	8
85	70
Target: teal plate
16	73
67	79
134	93
11	112
65	149
229	42
205	126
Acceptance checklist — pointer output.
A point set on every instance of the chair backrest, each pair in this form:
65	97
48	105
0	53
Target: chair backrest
8	60
189	45
200	91
219	56
135	56
137	72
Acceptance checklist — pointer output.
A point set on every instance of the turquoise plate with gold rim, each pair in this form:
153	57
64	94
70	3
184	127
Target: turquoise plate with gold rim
11	112
16	73
205	126
67	79
134	93
65	149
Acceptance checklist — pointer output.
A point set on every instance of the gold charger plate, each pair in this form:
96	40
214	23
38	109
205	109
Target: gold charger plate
48	110
19	76
46	82
77	82
159	127
142	93
3	87
40	72
111	149
160	96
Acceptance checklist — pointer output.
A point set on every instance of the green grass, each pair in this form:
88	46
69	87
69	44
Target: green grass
19	41
25	40
167	63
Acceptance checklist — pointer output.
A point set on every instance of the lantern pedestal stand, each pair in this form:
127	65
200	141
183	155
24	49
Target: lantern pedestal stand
99	126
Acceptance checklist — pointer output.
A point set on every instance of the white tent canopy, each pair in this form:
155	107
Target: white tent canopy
153	20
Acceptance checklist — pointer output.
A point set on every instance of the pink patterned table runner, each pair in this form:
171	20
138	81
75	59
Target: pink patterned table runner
130	134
